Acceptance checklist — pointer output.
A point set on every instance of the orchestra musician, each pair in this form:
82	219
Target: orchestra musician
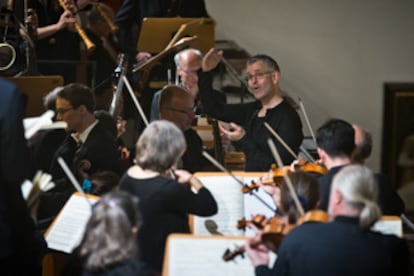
104	56
187	62
335	141
344	246
166	195
177	105
247	129
88	146
388	199
114	251
58	45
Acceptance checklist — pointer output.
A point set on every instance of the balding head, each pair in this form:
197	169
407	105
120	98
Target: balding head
363	143
177	105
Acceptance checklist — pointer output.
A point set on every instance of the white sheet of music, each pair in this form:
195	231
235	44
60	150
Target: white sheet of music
227	193
67	230
233	205
389	225
189	256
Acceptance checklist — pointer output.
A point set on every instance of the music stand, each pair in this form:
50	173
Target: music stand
156	33
35	88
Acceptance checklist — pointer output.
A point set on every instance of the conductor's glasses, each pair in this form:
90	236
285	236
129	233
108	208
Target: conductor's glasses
258	75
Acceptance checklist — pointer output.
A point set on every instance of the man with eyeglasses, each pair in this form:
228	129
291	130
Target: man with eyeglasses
177	105
88	147
187	62
247	129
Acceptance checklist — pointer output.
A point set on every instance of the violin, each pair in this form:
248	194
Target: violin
311	167
274	230
258	220
276	179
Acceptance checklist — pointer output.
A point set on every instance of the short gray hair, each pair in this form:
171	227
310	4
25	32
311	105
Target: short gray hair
178	57
160	146
360	190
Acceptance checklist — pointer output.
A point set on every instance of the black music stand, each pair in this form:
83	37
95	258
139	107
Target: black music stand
156	33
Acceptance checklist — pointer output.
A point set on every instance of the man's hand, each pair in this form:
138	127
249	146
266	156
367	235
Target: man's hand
211	59
235	133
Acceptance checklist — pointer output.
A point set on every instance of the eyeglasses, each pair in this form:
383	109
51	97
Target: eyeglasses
188	71
62	111
258	75
187	112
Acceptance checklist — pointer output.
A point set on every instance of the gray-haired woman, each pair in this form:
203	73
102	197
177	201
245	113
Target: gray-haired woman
166	195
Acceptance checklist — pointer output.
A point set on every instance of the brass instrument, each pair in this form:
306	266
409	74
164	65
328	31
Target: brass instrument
104	15
90	46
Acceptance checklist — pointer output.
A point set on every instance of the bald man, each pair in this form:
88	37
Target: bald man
176	105
388	199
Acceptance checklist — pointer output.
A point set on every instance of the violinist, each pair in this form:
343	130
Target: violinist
306	188
344	246
388	199
335	145
271	231
166	195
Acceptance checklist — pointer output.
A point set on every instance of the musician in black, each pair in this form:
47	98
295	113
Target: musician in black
345	246
247	120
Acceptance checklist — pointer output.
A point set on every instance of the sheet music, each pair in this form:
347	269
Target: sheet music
203	256
227	193
389	225
233	205
67	230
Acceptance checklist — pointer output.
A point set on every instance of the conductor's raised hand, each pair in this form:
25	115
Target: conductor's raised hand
211	59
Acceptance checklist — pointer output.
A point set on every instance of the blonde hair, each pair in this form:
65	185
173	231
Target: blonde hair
359	190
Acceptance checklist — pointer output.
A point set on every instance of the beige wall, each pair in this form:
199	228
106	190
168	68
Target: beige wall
334	54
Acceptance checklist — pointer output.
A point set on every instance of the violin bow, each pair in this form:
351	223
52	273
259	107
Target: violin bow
286	146
72	179
223	169
305	115
285	176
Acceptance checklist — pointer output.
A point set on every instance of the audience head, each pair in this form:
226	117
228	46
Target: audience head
177	105
75	104
363	144
160	146
263	76
188	62
335	138
354	193
307	190
110	233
